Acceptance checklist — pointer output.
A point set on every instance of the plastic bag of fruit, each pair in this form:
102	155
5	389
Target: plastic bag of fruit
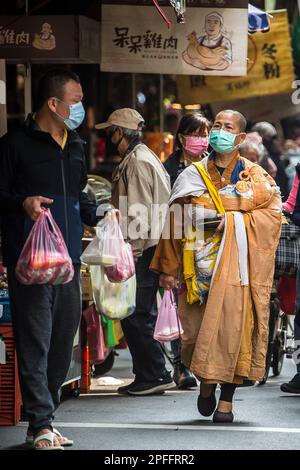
109	249
45	258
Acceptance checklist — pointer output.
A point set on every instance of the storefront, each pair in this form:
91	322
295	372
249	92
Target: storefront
30	45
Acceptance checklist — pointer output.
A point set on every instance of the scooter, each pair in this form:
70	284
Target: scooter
280	332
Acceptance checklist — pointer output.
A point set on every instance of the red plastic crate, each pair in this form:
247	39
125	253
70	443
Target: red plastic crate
10	396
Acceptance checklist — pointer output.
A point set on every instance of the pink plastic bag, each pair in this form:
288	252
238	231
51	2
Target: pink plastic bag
45	258
168	326
95	336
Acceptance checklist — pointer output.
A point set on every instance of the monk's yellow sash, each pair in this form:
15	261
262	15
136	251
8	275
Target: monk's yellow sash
189	273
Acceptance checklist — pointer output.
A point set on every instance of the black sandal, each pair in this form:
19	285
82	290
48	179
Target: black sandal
206	406
221	417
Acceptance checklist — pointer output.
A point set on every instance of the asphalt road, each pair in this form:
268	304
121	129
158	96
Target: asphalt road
265	418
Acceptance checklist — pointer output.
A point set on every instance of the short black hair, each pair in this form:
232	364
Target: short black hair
52	84
241	118
190	123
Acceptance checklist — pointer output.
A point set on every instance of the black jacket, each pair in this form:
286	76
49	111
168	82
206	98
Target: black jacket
172	165
33	164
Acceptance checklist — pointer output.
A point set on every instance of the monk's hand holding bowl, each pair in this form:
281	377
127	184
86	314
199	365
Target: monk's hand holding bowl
168	282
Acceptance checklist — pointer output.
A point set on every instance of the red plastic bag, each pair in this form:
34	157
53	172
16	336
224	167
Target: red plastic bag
95	337
168	326
45	258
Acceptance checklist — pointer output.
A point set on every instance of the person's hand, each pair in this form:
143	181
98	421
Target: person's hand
220	227
168	282
114	213
33	206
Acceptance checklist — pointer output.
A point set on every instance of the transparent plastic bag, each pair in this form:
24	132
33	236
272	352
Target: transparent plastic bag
109	249
115	301
124	269
92	255
168	326
45	258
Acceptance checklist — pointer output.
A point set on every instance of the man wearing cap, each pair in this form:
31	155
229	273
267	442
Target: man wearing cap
140	184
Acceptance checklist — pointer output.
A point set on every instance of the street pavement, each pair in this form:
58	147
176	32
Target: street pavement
265	418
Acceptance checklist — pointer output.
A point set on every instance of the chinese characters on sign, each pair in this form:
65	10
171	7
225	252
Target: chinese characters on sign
36	37
8	37
213	41
271	66
149	40
152	44
44	40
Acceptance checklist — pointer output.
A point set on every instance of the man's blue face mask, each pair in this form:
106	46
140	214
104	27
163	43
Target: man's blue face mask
76	116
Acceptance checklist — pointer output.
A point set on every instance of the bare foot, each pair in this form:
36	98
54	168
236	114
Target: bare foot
224	406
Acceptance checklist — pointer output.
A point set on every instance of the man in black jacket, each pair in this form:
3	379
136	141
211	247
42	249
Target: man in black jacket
42	164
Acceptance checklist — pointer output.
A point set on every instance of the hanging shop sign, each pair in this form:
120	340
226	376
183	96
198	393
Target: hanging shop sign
66	38
212	41
270	69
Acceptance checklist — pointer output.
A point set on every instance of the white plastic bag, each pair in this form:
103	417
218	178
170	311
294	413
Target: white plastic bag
115	301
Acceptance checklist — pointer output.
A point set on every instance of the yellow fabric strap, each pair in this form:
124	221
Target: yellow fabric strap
213	192
65	138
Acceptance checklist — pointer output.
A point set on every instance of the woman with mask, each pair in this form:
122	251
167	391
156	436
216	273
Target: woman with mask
224	272
191	144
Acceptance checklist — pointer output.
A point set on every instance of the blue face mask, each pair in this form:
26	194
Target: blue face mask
76	116
222	141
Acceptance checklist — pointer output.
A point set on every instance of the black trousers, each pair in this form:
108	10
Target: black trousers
45	320
147	356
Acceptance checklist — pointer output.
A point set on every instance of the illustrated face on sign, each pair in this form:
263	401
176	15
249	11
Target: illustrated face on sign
213	26
46	29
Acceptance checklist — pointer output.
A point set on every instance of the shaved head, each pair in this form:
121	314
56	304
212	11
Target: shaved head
238	117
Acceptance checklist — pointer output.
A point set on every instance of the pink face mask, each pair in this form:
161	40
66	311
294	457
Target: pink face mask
195	145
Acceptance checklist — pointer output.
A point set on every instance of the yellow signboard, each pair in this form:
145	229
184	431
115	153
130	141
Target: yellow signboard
270	69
